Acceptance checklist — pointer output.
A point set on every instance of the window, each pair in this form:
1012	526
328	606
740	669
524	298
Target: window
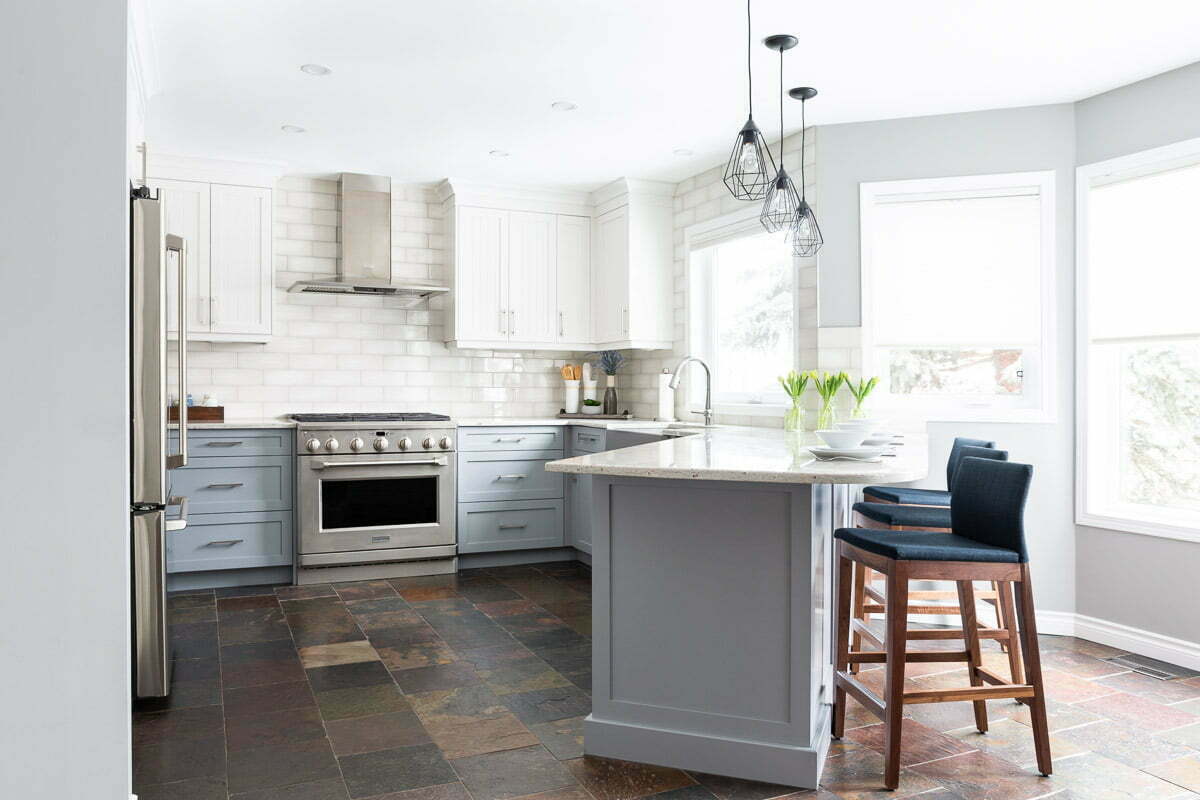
743	307
1139	343
957	277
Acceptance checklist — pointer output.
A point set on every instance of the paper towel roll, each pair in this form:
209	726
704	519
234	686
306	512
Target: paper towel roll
666	398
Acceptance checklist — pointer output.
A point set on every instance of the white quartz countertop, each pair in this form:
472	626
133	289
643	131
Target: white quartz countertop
472	422
750	455
266	422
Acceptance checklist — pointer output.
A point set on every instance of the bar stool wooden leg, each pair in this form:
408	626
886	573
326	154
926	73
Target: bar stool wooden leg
860	600
846	568
1000	623
1008	621
970	627
896	640
1033	671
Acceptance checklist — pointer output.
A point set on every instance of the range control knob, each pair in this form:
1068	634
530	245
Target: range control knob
404	443
444	443
381	443
427	443
312	445
331	444
356	444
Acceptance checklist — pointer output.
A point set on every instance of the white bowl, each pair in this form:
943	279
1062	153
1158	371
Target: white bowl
867	425
591	409
842	439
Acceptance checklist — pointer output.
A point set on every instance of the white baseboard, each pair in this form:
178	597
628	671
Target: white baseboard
1135	640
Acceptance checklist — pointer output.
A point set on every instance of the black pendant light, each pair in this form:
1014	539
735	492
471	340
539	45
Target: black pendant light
750	168
782	200
804	233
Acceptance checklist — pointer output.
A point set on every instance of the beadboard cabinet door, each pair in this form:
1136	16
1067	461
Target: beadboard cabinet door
574	280
532	297
611	276
240	264
186	208
481	274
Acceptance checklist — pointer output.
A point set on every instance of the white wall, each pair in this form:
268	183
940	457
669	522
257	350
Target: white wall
64	577
1008	140
1135	580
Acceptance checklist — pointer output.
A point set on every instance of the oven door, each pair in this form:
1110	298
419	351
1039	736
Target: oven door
376	502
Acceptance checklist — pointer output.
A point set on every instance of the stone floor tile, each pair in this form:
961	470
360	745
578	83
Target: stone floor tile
1130	709
512	773
859	776
376	732
1132	747
328	789
304	592
364	590
182	723
728	788
328	655
1094	777
187	694
274	729
1183	771
348	676
177	759
437	677
982	776
442	791
1012	741
459	737
266	699
918	743
245	591
1176	691
232	605
563	737
395	770
547	705
361	701
281	765
192	789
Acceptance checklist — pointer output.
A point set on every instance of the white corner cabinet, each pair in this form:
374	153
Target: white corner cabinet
546	270
223	212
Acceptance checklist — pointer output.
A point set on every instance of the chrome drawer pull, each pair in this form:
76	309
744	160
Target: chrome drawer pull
514	439
225	485
436	462
222	444
510	477
224	542
514	525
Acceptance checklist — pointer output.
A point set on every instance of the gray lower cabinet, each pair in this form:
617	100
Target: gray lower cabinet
584	440
506	498
239	484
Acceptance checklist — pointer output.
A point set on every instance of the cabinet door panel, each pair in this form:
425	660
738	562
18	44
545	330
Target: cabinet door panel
574	279
186	208
532	299
241	259
610	276
579	524
480	279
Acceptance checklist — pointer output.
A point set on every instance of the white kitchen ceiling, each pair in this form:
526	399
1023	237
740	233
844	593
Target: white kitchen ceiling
424	90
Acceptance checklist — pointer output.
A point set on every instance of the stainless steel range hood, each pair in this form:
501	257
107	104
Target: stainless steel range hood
365	265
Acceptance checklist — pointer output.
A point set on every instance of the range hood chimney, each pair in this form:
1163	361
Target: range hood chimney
365	264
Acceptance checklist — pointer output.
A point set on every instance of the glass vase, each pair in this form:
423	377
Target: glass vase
793	420
827	416
860	410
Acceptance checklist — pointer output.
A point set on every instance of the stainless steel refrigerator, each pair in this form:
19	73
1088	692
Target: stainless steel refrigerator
154	254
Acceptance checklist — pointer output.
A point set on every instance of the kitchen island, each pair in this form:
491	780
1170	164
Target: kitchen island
712	598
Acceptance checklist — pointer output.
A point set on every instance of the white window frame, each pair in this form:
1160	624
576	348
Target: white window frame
1088	176
700	236
1042	410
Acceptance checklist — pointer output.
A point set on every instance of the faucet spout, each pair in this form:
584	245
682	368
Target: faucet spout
677	376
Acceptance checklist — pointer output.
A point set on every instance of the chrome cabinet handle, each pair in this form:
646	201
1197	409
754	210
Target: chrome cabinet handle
224	542
627	322
437	462
511	526
510	477
178	245
181	522
512	322
225	485
223	444
560	323
514	439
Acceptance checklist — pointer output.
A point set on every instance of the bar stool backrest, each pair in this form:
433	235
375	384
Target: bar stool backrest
956	455
991	453
988	503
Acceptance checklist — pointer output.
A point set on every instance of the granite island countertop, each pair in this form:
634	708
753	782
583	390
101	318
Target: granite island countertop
752	455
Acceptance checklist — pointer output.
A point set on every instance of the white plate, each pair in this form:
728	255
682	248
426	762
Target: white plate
847	452
879	440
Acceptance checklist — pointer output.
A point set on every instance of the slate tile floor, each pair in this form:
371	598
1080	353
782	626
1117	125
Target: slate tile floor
474	687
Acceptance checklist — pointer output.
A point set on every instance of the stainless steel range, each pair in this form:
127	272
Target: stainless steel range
376	496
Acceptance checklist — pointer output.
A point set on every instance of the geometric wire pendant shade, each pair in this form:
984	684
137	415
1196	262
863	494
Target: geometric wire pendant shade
804	233
750	167
782	201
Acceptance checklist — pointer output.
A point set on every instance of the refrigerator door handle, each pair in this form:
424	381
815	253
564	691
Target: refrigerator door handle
178	245
181	521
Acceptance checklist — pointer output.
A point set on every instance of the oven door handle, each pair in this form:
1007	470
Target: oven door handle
424	462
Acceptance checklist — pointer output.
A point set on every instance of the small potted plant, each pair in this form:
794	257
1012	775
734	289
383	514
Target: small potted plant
827	385
590	406
794	384
609	362
861	391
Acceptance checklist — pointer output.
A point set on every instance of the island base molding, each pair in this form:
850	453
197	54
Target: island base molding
760	761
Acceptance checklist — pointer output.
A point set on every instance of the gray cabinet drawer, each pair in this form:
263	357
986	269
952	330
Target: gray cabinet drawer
519	525
508	476
231	541
221	485
587	440
495	439
208	442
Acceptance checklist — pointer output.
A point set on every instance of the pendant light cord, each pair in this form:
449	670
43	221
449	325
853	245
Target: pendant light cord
803	137
749	71
781	109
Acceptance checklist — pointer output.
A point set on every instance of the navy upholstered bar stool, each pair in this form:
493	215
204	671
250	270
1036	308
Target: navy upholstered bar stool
903	495
868	598
987	543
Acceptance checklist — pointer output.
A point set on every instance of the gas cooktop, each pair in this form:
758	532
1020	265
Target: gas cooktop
403	416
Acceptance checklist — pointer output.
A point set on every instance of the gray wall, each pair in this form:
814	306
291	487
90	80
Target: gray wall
1135	580
1006	140
63	477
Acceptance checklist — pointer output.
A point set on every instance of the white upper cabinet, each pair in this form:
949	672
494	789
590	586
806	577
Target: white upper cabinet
574	278
535	269
223	212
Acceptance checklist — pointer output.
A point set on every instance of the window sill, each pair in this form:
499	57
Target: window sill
1158	530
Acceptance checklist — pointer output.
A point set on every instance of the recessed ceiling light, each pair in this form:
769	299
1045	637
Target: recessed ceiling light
291	129
315	69
682	151
563	105
498	153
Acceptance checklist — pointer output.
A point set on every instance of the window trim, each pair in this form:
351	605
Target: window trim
1039	182
702	235
1088	176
